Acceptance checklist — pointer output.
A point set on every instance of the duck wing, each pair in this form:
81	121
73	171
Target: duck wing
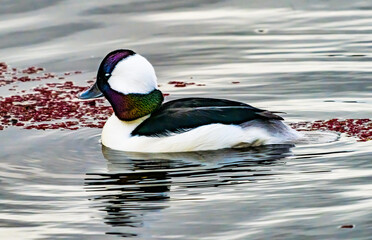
185	114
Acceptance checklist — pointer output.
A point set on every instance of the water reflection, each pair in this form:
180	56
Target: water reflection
138	183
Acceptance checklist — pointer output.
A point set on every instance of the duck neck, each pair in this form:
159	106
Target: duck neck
129	107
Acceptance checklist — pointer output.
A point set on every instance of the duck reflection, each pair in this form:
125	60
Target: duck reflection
136	183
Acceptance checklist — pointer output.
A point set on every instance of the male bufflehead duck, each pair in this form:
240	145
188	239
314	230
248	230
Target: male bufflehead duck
142	123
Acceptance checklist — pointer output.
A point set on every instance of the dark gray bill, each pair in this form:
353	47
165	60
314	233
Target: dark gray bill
92	92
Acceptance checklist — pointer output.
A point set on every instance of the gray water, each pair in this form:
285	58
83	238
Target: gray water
310	59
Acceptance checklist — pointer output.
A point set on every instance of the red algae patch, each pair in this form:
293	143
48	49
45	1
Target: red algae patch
50	106
10	75
54	105
347	226
30	70
183	84
359	128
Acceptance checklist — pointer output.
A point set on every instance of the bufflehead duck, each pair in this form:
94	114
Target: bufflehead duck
142	123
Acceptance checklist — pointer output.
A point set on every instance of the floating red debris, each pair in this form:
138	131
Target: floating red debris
11	75
3	66
55	106
56	102
70	73
175	82
360	128
31	70
24	79
52	106
180	84
347	226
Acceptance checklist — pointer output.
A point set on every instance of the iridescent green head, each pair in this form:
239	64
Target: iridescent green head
129	83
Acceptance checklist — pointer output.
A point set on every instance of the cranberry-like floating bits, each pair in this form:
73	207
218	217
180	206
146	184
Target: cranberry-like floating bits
359	128
50	106
56	106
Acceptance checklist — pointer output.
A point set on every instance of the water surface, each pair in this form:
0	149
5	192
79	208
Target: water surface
309	59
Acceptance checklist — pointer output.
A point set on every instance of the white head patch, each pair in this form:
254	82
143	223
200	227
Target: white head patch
133	74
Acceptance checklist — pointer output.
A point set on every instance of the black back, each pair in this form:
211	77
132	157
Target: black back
185	114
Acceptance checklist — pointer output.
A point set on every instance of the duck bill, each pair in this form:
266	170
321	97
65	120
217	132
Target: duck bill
92	92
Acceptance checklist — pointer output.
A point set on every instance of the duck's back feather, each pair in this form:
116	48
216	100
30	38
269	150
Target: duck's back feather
188	113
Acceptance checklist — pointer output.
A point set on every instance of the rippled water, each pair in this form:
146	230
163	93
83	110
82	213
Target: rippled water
310	59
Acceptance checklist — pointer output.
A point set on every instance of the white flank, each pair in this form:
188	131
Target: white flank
116	135
133	74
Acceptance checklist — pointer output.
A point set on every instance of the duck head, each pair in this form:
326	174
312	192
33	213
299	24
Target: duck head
129	83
